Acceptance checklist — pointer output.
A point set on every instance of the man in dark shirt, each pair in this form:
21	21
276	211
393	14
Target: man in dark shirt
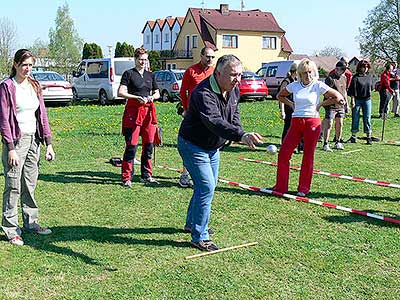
211	119
140	89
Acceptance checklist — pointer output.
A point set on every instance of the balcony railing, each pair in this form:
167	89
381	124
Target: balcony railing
172	54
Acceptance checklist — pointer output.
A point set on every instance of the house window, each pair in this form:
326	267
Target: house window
269	42
229	41
166	39
157	39
147	39
173	66
194	41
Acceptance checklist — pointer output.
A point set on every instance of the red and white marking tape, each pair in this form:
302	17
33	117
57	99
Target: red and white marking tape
298	198
359	179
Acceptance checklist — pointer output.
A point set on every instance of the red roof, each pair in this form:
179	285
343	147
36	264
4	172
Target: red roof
151	25
285	45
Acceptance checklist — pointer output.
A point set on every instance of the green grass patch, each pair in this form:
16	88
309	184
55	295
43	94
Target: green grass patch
116	243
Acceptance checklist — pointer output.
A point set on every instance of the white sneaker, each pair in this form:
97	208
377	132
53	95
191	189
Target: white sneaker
149	180
301	194
127	184
16	240
42	230
184	181
136	162
339	146
327	148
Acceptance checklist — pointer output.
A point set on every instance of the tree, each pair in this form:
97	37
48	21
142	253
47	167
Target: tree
124	50
65	44
330	51
8	37
91	51
380	37
154	60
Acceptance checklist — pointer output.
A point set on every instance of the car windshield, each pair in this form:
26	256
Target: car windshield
122	66
250	75
48	77
179	75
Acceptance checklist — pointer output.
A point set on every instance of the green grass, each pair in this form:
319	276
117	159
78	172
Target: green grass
114	243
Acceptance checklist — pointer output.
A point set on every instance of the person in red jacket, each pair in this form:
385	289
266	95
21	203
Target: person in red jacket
385	91
191	78
140	88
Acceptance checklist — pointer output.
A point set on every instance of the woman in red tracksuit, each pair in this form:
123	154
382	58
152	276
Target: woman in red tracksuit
140	89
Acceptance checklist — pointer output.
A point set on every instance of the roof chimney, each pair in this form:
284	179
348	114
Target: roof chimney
224	9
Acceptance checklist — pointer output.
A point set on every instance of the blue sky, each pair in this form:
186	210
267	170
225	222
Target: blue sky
309	24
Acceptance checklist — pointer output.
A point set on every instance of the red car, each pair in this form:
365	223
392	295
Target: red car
252	86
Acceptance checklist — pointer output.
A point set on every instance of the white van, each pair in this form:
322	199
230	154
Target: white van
99	78
273	73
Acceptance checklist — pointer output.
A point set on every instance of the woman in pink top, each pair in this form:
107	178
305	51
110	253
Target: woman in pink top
23	126
306	123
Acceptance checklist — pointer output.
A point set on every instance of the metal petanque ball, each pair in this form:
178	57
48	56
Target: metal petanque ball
271	149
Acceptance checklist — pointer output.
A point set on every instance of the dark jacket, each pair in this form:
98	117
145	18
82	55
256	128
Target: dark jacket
210	119
9	128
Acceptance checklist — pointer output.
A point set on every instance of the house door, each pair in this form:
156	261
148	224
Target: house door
188	46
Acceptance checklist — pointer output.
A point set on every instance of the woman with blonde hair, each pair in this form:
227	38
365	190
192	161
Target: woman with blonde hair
23	126
306	123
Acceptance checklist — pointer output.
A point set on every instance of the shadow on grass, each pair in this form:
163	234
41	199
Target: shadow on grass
338	196
352	218
123	236
91	177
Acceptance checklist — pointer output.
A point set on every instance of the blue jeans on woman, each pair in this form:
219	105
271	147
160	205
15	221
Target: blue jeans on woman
365	106
203	167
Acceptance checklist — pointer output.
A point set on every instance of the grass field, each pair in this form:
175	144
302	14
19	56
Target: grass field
116	243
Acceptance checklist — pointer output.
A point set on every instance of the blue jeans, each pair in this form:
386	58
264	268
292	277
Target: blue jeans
203	168
365	105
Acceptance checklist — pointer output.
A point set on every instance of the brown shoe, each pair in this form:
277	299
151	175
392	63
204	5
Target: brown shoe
206	245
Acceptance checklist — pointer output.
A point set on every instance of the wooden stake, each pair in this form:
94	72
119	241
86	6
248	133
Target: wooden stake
221	250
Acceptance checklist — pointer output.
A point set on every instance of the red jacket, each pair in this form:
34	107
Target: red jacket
192	77
135	112
385	82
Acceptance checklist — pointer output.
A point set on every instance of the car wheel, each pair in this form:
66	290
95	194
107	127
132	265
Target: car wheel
103	99
164	96
75	96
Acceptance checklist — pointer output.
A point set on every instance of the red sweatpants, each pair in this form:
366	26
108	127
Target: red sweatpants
309	129
146	131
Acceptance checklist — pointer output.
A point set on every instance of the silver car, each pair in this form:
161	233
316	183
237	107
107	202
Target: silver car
55	87
169	83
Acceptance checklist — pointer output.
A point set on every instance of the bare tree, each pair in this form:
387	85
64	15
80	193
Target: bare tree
8	38
330	51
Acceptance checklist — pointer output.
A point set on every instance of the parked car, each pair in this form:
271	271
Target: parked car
273	73
55	87
252	86
169	82
99	78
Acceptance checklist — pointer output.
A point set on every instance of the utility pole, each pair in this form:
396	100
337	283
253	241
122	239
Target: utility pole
242	5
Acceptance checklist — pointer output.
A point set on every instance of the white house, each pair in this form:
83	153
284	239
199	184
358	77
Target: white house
161	34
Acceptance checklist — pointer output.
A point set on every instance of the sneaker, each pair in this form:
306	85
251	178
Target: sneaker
301	194
339	146
127	184
206	245
149	180
42	230
184	181
327	148
189	230
352	140
369	141
136	162
375	139
16	240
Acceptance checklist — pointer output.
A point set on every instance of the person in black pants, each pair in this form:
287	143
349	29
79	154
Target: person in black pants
286	110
